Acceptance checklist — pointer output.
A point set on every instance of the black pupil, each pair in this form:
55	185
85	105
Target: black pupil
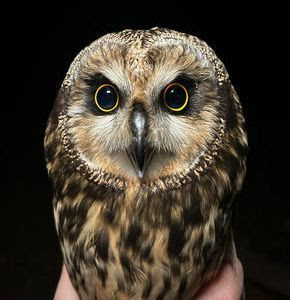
175	96
107	97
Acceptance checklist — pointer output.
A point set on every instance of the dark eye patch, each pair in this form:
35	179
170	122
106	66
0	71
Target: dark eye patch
190	85
92	84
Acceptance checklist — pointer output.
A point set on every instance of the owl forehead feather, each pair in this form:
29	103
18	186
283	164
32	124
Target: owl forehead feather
139	49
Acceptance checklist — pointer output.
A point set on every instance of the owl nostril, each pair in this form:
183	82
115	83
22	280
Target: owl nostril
139	121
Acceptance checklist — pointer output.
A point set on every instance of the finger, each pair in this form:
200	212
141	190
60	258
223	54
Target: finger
228	283
65	290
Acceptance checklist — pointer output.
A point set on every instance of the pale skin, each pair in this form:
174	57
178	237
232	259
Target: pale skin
227	285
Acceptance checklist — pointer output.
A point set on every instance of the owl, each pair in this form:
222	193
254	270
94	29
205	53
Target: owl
146	148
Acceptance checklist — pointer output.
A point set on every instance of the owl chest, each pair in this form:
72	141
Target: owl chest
122	269
138	252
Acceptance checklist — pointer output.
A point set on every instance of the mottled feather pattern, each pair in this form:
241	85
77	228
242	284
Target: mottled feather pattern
161	237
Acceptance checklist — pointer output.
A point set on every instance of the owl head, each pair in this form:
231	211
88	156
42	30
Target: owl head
147	105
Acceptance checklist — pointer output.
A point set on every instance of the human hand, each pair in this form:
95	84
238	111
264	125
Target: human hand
227	284
65	290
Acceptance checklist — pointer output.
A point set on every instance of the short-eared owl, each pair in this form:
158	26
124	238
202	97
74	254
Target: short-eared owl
146	148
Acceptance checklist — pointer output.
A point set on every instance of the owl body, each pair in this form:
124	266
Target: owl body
143	190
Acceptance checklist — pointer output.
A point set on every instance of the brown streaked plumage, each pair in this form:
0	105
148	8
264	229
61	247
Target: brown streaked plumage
161	231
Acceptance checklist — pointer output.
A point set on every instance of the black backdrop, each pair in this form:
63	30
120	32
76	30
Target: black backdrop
42	42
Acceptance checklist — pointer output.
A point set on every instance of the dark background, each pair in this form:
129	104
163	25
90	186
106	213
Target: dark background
42	42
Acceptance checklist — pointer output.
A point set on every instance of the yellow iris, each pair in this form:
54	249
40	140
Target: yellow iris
175	97
106	97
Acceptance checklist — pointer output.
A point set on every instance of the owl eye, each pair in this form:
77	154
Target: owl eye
106	97
175	97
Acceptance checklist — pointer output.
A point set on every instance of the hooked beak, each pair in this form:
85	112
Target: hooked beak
140	153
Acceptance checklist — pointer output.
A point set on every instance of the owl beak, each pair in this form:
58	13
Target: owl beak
140	153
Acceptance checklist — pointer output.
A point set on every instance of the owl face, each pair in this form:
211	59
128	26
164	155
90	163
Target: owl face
144	104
